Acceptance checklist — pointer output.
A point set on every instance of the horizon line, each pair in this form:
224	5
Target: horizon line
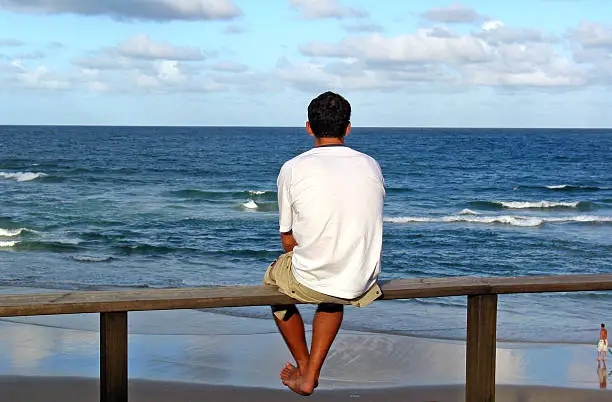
300	127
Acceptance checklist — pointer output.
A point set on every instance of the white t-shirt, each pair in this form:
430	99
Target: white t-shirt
331	197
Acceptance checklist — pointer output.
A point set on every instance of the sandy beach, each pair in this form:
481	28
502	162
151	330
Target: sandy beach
187	355
54	389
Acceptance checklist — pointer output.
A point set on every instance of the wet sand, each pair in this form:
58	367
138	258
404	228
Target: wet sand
192	353
50	389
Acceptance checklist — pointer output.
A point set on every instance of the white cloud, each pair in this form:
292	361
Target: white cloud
142	47
138	64
315	9
420	47
433	59
40	77
156	10
169	77
593	35
363	27
92	80
141	65
454	13
592	47
355	76
108	61
137	52
497	32
498	56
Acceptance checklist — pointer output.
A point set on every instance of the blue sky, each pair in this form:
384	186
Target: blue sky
487	63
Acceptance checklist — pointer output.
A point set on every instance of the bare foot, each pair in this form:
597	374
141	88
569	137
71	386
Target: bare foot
290	371
298	384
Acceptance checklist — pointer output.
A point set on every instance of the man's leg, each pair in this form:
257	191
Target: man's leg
291	327
327	321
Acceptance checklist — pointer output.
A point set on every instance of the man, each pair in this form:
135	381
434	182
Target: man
602	346
330	204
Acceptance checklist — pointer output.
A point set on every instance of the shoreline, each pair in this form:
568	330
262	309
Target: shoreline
68	389
249	352
208	349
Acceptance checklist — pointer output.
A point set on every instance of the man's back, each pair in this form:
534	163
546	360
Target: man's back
330	202
331	197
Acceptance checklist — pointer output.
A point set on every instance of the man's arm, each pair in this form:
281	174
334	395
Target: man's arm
288	241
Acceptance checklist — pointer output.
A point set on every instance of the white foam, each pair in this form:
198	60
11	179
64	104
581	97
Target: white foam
582	218
11	232
558	187
92	259
468	212
22	176
503	219
7	244
250	204
537	204
524	221
257	192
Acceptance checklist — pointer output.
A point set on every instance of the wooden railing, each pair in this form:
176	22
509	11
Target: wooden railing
113	307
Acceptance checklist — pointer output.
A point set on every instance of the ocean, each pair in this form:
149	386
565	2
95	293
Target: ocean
86	208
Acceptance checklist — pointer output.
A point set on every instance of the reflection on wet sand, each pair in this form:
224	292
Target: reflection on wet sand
203	347
602	372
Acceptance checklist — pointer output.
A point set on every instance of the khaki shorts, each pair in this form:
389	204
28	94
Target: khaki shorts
279	274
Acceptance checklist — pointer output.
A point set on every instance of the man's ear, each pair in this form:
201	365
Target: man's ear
348	130
309	129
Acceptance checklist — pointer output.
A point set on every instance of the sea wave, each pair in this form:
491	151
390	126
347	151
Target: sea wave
51	246
569	187
22	176
259	206
8	244
250	204
512	220
92	259
152	249
538	204
11	232
219	195
498	205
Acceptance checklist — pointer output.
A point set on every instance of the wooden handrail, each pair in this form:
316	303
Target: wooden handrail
114	306
238	296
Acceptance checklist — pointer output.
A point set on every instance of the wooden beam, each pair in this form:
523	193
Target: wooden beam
235	296
113	357
481	348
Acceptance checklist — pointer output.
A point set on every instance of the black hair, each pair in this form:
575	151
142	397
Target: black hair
603	325
329	114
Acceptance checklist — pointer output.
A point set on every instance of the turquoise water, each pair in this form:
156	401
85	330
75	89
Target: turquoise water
109	207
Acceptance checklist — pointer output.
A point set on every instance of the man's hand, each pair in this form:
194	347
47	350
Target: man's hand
288	241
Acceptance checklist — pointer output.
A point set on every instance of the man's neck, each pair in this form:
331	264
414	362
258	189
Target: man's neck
321	142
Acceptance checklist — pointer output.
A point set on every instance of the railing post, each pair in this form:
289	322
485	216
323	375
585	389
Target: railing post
113	357
481	348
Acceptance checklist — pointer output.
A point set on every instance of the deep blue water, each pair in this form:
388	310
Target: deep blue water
102	207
